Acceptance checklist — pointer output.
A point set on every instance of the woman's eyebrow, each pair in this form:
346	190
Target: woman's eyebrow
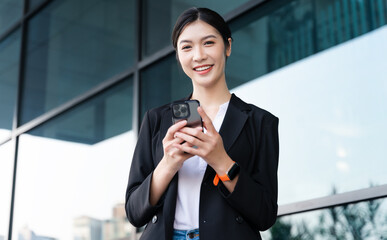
203	38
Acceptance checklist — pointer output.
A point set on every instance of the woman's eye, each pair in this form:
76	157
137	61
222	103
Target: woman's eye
185	47
208	43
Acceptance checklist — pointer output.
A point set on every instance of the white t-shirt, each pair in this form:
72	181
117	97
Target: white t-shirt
190	180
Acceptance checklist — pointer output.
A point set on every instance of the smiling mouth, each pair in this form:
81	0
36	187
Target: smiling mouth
202	68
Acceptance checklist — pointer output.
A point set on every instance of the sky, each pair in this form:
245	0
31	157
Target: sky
332	111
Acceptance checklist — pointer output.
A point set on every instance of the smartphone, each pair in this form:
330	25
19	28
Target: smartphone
187	110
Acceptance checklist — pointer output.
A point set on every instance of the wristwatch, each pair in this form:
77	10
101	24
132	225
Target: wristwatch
230	174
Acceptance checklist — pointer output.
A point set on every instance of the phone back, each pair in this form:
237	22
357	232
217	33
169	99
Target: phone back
186	110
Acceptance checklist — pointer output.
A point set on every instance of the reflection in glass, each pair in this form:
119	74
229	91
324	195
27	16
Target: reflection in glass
364	220
32	4
159	17
73	171
332	108
10	13
105	116
7	151
9	73
162	83
271	37
72	46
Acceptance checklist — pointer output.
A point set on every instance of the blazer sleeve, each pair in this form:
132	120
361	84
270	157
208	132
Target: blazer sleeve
138	208
256	192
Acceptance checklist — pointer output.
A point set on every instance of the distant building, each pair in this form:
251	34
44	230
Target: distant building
26	234
87	228
118	228
115	228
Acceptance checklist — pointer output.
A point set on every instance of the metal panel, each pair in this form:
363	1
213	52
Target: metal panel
5	141
136	77
157	56
13	190
334	200
23	18
243	9
16	115
10	30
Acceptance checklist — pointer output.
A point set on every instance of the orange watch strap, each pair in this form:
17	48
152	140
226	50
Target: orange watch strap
223	178
216	180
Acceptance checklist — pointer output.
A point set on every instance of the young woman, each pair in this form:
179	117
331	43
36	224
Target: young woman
219	182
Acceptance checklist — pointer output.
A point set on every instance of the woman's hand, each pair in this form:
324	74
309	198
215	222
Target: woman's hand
209	145
174	157
171	162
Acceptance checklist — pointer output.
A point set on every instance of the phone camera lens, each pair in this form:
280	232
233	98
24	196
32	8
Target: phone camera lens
183	109
180	110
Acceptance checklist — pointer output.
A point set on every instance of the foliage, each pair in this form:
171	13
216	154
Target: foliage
364	220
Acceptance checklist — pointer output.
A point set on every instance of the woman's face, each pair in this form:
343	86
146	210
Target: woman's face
202	55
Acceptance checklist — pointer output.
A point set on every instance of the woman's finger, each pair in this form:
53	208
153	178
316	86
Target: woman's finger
196	132
190	150
188	138
169	144
206	121
175	127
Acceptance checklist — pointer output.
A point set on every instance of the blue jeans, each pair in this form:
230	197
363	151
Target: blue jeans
186	234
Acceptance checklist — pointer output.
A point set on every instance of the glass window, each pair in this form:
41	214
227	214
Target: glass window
72	46
73	171
7	151
159	17
280	35
11	12
99	119
364	220
32	4
9	73
163	83
332	108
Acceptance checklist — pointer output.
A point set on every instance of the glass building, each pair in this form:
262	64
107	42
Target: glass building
76	77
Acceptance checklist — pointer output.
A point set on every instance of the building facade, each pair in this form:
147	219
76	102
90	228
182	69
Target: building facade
87	228
76	77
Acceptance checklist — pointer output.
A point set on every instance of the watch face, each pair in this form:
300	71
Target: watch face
233	171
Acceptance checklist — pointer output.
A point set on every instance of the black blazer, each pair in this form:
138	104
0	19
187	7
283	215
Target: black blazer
250	137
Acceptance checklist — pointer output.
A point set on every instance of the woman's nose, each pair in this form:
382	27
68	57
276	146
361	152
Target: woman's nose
199	54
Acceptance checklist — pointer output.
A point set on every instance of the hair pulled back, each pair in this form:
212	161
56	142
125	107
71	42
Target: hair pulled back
206	15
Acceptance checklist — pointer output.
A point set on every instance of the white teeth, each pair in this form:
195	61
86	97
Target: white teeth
202	68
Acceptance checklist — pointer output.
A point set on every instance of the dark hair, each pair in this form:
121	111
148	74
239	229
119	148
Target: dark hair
206	15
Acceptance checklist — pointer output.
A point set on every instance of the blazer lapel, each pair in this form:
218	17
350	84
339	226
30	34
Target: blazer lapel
232	125
166	123
233	122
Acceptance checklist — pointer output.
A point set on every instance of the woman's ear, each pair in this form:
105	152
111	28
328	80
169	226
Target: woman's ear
228	50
